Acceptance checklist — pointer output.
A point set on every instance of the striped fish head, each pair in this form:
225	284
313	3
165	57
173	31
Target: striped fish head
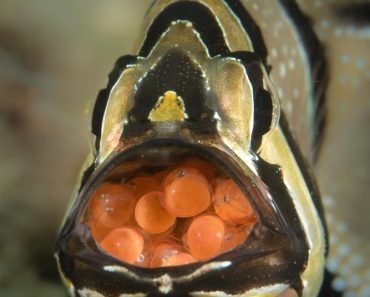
187	93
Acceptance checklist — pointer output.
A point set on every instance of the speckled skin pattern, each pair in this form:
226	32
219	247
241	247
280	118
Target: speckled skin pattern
342	169
54	58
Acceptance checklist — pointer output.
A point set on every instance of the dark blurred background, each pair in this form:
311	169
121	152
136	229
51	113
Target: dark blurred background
54	58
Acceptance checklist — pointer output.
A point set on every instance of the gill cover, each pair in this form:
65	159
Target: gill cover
198	85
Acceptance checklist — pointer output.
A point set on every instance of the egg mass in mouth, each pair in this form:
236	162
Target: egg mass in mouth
186	212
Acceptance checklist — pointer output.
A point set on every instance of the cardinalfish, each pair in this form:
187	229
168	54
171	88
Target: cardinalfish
199	183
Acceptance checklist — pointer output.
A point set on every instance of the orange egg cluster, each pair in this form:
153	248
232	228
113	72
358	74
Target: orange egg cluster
188	213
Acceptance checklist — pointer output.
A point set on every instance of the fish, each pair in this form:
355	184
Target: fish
241	83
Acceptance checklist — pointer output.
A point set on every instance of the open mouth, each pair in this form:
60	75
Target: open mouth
168	214
171	208
165	203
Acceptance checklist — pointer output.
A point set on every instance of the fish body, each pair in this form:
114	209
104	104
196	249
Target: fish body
241	83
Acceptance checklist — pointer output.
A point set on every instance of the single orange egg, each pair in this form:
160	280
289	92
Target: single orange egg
205	236
124	243
186	195
162	251
230	203
150	214
112	205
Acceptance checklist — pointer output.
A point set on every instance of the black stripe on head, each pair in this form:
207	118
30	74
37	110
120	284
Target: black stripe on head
251	28
102	99
263	110
317	62
202	20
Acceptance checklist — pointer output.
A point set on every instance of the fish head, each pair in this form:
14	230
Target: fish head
181	100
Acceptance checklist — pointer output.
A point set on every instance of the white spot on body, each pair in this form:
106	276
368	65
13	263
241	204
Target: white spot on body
325	24
282	69
291	64
345	271
356	261
280	92
290	106
329	202
332	265
350	30
274	52
333	239
342	227
360	63
354	281
339	284
345	58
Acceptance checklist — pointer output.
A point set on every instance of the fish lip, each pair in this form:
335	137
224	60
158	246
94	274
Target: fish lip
94	258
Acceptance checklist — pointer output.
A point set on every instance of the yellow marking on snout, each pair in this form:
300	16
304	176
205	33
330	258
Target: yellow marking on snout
169	107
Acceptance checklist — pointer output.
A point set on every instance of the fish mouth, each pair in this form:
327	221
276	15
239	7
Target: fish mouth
270	254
